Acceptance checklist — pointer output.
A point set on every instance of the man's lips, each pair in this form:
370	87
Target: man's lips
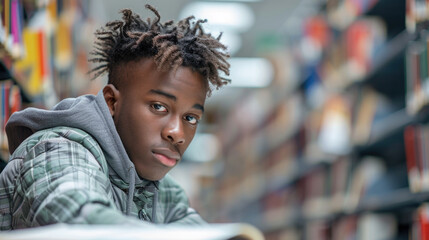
166	156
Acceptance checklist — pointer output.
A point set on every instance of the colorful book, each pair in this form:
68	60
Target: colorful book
411	151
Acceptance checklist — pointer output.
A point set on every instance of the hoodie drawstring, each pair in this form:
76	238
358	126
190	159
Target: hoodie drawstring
155	200
152	187
132	174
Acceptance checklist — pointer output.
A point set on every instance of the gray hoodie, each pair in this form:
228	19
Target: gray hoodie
88	113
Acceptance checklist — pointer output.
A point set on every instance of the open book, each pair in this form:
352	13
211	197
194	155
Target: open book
232	231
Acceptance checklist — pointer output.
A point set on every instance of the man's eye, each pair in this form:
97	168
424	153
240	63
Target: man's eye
191	119
159	108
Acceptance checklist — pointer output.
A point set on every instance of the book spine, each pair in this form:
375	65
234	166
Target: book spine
411	159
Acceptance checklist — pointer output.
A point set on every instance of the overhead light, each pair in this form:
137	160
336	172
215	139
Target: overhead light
224	16
250	72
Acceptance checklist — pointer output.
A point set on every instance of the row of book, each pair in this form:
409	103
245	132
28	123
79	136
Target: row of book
49	61
15	17
416	139
335	123
328	190
352	56
291	140
364	226
279	176
305	192
342	13
28	43
347	62
11	26
342	122
417	75
10	102
416	15
330	194
420	227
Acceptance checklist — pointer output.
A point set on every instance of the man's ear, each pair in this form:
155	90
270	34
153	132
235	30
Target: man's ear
111	96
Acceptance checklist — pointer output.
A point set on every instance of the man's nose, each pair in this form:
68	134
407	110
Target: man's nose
173	131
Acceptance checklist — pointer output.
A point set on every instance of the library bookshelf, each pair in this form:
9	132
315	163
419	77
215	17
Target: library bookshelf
339	147
41	58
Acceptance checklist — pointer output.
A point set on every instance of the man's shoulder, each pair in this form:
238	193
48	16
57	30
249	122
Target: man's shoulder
59	142
56	134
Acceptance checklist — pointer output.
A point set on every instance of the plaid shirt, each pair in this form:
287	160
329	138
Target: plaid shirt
61	175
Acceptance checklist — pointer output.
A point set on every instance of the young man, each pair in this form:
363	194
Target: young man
103	159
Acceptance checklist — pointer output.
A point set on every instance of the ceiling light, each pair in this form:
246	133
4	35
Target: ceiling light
225	16
250	72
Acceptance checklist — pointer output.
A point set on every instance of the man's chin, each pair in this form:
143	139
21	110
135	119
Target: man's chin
153	177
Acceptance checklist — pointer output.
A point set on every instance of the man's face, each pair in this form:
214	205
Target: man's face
156	114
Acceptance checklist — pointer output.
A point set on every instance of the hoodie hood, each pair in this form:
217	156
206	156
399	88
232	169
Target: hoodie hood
89	113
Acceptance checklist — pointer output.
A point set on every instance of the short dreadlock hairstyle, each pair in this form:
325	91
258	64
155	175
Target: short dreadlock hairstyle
170	45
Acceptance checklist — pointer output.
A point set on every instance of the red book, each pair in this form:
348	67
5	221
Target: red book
15	99
411	151
42	56
6	103
423	218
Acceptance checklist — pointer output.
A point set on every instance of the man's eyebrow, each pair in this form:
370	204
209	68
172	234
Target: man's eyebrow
199	107
159	92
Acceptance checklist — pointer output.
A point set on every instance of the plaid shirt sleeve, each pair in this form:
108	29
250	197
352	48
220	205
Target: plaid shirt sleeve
61	181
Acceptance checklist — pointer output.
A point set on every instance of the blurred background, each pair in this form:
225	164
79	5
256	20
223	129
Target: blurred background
322	133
